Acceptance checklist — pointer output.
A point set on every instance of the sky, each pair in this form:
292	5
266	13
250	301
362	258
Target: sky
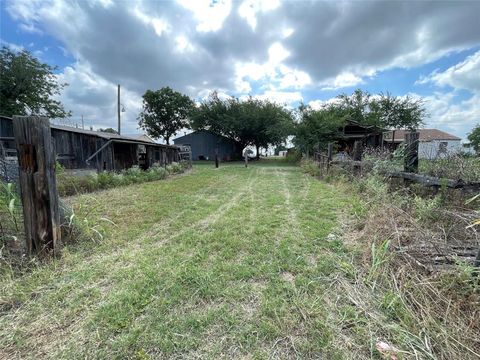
287	51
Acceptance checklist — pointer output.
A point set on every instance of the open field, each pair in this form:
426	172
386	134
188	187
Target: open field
217	263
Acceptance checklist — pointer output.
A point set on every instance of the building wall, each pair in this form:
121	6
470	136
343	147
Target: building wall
204	143
438	148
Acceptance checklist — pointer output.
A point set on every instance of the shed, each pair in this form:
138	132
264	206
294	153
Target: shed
354	131
86	149
204	143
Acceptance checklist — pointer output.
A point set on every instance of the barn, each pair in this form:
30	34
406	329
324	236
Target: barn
204	143
86	149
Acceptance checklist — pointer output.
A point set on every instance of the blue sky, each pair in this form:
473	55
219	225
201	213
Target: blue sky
285	51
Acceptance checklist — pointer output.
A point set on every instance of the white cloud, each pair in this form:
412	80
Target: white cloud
159	25
96	99
344	79
281	97
451	115
464	75
209	15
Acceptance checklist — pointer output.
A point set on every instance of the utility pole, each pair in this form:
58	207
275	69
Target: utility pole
83	125
118	109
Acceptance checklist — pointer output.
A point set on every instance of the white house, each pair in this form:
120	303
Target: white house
434	143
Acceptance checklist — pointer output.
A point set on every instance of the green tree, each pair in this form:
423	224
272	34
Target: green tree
474	138
316	128
384	110
251	121
165	111
28	87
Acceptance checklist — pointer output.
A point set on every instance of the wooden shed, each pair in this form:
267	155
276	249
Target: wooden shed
353	131
86	149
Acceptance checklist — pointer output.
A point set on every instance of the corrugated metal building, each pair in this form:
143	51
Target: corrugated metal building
204	144
86	149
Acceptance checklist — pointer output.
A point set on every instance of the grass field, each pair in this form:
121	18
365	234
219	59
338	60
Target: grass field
217	263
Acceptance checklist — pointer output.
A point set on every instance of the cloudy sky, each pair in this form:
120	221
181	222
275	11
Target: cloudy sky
287	51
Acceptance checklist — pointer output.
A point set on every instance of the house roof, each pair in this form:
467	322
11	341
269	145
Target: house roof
425	135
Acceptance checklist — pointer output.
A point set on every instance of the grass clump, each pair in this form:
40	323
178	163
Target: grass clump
11	217
310	167
68	185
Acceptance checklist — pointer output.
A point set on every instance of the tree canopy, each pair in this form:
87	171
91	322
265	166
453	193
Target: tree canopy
474	138
28	86
383	110
251	121
316	128
165	111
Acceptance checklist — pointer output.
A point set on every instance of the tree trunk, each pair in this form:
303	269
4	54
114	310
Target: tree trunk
258	151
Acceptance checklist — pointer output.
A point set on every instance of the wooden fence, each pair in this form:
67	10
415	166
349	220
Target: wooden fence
410	166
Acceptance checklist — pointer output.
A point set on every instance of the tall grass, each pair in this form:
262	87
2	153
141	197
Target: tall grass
68	185
431	308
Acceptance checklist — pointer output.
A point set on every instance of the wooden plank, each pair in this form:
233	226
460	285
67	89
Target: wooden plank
38	185
427	180
411	152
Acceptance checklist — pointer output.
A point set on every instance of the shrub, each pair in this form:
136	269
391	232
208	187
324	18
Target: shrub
310	167
293	156
68	185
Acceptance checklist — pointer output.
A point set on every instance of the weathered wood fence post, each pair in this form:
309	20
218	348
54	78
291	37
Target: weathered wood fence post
357	150
329	155
357	156
36	160
190	158
411	152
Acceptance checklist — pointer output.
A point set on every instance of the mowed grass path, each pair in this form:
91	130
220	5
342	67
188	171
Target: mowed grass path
218	263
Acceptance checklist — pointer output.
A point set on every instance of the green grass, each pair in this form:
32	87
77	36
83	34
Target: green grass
217	263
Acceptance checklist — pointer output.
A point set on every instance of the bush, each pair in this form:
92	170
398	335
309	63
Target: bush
68	185
310	167
293	156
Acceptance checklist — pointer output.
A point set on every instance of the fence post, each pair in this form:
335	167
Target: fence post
357	150
190	159
329	155
38	187
411	152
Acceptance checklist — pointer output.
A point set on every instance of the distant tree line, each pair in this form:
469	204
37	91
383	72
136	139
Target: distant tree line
29	87
263	123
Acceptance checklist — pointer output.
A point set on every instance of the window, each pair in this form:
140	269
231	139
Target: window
442	147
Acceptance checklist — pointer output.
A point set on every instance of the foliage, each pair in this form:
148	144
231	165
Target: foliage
250	121
108	130
293	156
68	185
10	212
474	138
316	128
165	111
455	166
384	110
28	87
310	167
